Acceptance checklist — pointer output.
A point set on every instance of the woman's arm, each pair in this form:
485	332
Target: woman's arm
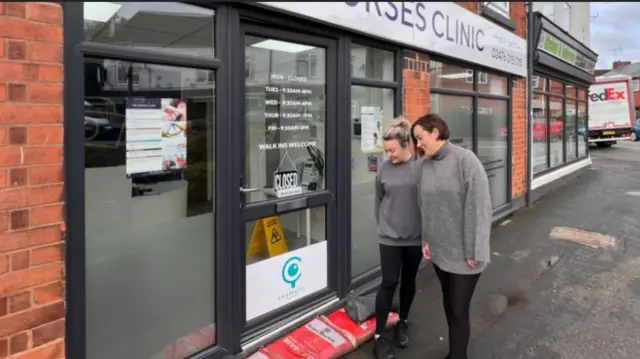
417	175
478	212
378	196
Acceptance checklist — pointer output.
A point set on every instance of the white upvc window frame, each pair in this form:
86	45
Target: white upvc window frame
501	7
566	21
635	85
482	77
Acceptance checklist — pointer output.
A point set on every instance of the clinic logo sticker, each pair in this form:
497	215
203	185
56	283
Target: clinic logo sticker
291	272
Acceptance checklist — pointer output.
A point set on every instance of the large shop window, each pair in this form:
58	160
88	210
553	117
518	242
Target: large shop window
559	125
372	108
454	90
149	210
149	190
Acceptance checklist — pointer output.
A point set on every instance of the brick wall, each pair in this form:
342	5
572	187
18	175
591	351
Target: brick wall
416	85
32	307
417	96
519	120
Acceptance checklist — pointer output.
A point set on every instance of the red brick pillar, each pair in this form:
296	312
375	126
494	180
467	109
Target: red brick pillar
32	307
519	108
519	138
415	77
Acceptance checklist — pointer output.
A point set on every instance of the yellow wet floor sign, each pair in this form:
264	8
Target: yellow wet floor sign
267	234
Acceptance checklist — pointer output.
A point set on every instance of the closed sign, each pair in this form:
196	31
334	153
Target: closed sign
285	183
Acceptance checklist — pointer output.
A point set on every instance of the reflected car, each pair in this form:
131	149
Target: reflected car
101	124
540	129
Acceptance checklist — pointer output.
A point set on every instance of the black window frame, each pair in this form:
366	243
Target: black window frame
75	50
475	96
577	100
362	279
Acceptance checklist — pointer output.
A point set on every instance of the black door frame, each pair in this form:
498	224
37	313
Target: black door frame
323	198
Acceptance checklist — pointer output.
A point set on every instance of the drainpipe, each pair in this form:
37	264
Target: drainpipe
530	57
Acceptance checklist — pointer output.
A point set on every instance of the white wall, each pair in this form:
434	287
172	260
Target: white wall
580	19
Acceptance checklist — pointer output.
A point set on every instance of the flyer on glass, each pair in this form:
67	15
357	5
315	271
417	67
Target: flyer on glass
174	139
156	139
371	130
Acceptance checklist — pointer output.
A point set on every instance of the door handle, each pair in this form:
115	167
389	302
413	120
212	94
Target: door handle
248	190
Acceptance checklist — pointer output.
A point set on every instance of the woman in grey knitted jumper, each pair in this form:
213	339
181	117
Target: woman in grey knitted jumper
455	206
398	217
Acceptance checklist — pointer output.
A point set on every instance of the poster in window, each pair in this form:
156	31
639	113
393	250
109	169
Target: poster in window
156	139
371	130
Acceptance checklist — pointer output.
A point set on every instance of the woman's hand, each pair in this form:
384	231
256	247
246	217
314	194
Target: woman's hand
426	253
472	263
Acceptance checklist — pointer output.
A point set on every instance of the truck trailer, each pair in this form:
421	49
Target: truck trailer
611	110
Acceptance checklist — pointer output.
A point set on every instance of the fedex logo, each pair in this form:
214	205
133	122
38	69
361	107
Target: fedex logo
609	94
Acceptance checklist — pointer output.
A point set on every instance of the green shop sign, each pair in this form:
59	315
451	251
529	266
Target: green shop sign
552	45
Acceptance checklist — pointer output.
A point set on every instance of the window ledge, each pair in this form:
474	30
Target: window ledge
499	18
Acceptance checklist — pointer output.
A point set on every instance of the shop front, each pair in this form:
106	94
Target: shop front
220	189
563	71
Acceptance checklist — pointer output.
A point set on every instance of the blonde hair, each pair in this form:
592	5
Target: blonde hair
400	130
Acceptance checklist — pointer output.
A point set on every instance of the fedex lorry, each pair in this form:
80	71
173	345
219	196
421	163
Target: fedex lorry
611	110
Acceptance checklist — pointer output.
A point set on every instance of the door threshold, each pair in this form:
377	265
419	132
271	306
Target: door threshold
255	344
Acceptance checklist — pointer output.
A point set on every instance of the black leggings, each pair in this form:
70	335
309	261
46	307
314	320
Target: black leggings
457	290
396	262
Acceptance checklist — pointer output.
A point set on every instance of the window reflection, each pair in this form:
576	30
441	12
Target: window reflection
582	129
447	76
493	122
556	87
539	156
491	83
162	26
556	131
571	139
285	112
372	63
457	111
539	83
364	166
149	210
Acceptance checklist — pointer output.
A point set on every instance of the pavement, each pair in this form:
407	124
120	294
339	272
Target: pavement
564	300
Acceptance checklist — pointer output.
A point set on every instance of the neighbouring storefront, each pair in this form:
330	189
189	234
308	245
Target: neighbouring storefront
563	71
221	185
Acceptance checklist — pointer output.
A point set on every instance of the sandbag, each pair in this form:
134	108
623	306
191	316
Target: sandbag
361	308
359	332
318	339
263	353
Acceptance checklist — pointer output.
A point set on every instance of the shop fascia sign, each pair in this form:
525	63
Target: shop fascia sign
554	46
440	27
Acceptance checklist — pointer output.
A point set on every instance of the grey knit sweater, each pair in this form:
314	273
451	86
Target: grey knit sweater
396	206
455	207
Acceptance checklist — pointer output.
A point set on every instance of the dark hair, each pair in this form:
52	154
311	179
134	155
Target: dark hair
431	121
418	152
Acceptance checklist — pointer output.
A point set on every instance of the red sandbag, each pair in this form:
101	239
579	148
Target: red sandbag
318	339
263	353
359	332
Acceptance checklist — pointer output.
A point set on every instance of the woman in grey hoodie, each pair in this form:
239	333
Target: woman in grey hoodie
455	206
